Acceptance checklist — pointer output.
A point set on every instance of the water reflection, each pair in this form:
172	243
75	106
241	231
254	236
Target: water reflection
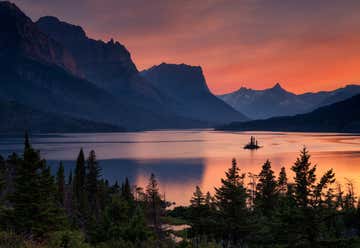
183	159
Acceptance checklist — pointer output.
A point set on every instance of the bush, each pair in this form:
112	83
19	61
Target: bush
67	239
11	240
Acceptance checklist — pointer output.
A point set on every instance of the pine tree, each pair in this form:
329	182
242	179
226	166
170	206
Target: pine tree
126	191
304	178
92	183
231	200
266	194
198	199
34	210
79	191
60	181
27	141
153	200
70	178
25	199
282	181
208	200
51	216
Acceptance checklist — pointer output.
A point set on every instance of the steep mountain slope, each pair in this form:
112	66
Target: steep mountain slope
190	96
19	118
20	38
276	101
38	72
108	65
342	116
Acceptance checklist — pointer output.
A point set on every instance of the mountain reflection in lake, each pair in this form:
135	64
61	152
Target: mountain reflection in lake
182	159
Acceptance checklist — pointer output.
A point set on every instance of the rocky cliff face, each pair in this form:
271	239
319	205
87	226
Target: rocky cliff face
107	64
20	37
38	72
178	80
190	96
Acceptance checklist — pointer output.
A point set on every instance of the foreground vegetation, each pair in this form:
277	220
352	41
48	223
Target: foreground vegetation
84	210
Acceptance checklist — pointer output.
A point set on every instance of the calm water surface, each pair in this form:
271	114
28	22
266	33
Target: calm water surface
182	159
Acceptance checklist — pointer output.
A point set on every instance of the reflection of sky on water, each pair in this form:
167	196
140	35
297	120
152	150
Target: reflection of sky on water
182	159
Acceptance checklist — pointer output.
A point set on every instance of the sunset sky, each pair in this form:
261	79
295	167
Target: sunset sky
306	45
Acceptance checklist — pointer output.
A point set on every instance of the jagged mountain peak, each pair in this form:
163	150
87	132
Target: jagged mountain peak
67	29
21	38
278	86
107	64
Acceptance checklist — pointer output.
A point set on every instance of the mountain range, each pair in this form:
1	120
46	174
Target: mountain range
343	116
276	101
53	67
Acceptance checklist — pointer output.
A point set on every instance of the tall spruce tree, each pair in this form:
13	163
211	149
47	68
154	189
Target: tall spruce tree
26	199
126	191
266	192
34	210
304	178
153	202
92	183
51	216
79	191
198	199
231	199
282	181
60	181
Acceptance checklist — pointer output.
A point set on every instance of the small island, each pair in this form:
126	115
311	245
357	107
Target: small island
253	144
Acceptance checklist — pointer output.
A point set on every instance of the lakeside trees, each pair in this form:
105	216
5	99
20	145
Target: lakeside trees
38	209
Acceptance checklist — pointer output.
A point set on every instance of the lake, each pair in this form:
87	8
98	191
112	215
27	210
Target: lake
182	159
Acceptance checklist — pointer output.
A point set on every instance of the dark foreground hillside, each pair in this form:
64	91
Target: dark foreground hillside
339	117
16	118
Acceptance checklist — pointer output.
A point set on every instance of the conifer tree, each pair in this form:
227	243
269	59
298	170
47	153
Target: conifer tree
266	194
92	183
153	201
198	198
231	200
34	210
70	178
26	196
51	216
126	191
282	181
60	181
79	191
208	200
304	178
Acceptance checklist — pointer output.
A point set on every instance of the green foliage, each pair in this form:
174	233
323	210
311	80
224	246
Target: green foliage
60	182
198	198
231	200
67	239
79	193
11	240
34	208
266	194
304	213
